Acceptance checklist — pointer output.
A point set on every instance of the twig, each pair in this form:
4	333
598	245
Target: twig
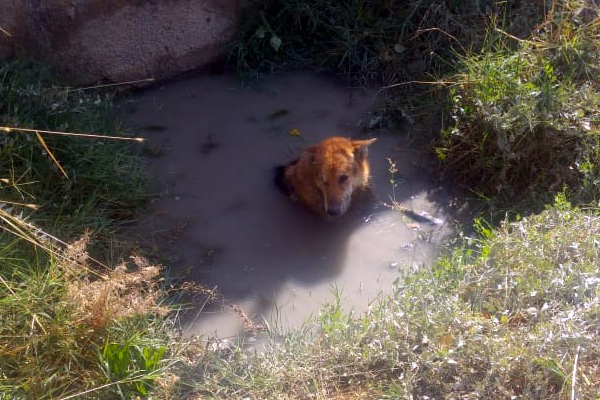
510	36
9	129
574	376
445	33
6	284
14	226
111	85
95	389
5	32
449	83
31	206
43	142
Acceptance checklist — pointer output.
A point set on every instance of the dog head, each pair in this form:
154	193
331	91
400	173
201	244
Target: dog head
339	167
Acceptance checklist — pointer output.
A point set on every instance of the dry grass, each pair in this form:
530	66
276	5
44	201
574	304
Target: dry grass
120	295
57	319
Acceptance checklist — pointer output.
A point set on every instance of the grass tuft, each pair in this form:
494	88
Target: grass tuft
365	41
104	182
525	114
72	327
406	46
68	329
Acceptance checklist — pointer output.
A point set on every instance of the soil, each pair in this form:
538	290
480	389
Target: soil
220	220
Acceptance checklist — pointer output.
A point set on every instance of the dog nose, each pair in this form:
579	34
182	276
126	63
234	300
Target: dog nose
334	210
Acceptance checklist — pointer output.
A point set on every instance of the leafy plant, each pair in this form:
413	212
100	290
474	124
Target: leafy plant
132	365
365	41
525	119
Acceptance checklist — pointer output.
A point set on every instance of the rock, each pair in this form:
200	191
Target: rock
118	40
12	15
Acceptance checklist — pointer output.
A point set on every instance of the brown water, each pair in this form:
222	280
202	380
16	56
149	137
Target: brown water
223	223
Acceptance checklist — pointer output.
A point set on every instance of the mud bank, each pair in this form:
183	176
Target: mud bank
220	220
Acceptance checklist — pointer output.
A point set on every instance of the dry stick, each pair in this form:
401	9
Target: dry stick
43	142
30	240
5	32
574	377
9	129
95	389
31	206
513	37
15	230
19	232
442	31
6	284
110	85
450	83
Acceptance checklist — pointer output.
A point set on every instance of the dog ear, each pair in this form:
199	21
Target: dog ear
361	148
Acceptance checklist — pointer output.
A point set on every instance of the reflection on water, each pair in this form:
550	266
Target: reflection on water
220	219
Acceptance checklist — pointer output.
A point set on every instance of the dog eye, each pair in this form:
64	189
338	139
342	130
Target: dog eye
343	179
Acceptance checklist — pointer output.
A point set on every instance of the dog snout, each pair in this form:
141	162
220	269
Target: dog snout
334	209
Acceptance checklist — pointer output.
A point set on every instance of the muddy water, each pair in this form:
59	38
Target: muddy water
213	146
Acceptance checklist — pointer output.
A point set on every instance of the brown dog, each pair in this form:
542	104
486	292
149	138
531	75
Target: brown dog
326	176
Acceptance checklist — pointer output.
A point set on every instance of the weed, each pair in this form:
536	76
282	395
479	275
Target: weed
104	182
68	329
525	120
122	362
65	317
512	314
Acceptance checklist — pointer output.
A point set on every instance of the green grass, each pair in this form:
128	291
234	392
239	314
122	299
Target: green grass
524	116
69	329
71	326
374	43
104	182
510	312
513	312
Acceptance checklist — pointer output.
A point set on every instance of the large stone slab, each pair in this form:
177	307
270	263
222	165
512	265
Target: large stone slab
118	40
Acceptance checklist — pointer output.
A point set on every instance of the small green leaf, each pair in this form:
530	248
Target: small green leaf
141	388
275	42
260	32
398	48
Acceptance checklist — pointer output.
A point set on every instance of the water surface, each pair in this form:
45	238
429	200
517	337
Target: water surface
220	220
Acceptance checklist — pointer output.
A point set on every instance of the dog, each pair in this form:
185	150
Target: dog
327	176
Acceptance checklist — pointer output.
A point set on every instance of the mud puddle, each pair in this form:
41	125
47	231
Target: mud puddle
221	221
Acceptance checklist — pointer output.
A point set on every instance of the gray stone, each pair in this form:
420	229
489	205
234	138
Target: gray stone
118	40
